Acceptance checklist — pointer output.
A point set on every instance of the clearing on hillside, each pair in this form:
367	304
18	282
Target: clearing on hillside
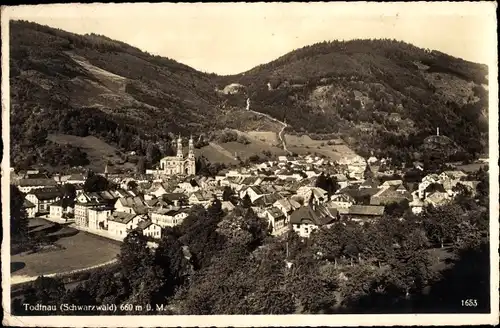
98	151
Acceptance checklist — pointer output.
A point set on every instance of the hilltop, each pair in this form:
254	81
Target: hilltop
379	96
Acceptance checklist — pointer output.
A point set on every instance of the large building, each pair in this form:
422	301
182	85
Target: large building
178	165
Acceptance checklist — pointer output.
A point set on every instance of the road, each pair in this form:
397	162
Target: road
281	134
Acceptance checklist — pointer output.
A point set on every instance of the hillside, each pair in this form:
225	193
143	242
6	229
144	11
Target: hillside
63	83
379	96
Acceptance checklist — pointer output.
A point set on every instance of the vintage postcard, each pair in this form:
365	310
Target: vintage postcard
250	164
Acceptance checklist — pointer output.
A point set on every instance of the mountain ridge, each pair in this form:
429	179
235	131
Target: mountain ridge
92	85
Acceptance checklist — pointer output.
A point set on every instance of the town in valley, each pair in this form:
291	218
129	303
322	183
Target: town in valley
344	177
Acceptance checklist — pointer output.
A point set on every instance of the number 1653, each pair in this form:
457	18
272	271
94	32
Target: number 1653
469	302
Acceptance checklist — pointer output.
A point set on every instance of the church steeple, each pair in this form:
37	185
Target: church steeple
191	148
179	147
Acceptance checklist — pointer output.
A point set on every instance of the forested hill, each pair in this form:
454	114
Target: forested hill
378	95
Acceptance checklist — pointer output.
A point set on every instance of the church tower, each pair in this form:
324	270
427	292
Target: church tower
190	163
191	148
179	147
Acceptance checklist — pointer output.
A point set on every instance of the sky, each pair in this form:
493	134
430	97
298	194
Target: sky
230	38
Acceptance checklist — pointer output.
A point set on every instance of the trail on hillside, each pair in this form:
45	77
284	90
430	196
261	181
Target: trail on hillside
281	134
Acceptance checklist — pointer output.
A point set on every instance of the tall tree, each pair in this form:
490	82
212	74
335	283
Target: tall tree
18	217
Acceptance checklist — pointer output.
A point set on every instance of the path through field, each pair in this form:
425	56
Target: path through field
281	134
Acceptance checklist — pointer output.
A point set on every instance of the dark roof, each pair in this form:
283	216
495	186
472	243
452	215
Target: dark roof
267	200
36	182
144	224
46	193
366	210
275	212
28	204
174	196
121	217
315	214
370	183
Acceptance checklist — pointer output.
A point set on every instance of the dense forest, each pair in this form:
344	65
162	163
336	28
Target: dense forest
220	263
381	96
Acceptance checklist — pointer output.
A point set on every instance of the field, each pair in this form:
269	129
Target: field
303	145
78	250
97	150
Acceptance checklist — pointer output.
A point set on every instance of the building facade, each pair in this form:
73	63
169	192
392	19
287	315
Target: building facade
178	165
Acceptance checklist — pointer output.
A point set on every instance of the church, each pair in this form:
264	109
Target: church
178	165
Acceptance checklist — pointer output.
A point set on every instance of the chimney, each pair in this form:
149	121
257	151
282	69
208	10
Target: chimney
437	131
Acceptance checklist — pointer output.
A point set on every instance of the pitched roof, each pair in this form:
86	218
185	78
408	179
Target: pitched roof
318	215
266	200
46	193
366	210
131	201
28	204
392	183
369	183
36	182
144	224
288	204
275	212
173	196
121	217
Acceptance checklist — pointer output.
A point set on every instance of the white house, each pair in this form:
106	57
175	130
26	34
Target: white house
277	220
98	217
341	201
42	198
168	217
311	217
27	185
119	223
149	229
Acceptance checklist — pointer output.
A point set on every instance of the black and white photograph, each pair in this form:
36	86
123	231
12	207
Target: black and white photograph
250	164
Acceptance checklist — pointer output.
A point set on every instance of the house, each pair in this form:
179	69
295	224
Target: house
227	206
27	185
437	198
390	194
84	202
416	205
168	217
176	199
98	217
317	193
267	200
369	183
311	217
56	209
389	183
120	223
133	205
253	192
187	187
282	159
286	206
75	179
362	212
341	201
277	220
200	198
149	229
159	190
341	180
42	198
30	208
